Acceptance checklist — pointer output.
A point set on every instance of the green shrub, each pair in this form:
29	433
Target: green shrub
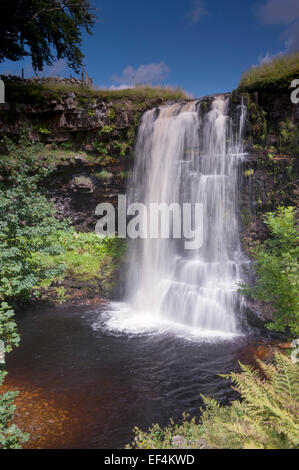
277	267
162	438
27	222
104	175
106	130
11	437
289	137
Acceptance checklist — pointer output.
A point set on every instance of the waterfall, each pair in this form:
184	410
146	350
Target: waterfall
184	155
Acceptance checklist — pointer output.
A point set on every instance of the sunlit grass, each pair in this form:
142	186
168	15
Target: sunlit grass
280	70
83	256
51	89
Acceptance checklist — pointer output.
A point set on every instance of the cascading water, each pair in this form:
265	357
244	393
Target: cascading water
182	157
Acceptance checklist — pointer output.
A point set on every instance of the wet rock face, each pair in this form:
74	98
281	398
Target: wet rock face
76	190
266	183
57	120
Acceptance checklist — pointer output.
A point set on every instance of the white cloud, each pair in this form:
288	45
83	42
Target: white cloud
197	12
144	74
282	12
292	37
266	59
58	68
120	87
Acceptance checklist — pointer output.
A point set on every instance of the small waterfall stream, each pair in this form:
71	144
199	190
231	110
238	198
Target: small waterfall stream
183	155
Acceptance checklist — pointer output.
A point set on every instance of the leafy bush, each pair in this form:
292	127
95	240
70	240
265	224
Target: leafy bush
267	417
162	438
8	327
27	222
104	175
11	437
25	157
289	137
277	267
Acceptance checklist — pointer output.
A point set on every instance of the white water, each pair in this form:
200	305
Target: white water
181	158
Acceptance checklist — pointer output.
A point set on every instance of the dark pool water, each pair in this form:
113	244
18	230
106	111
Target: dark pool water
111	383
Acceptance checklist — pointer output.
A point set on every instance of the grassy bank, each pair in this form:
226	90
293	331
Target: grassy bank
39	93
88	266
277	73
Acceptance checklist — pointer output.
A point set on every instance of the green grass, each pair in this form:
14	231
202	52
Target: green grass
84	257
41	93
103	175
49	158
279	72
52	157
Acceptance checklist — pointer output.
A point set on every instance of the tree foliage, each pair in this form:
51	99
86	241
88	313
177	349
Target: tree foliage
277	267
27	223
11	437
44	30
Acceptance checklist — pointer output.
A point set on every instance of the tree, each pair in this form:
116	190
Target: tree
46	30
27	224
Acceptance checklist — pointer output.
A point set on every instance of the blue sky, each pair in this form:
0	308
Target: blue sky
201	45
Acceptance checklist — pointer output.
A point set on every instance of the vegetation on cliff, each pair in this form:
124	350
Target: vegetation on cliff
270	190
272	117
277	267
88	266
42	91
279	72
266	417
37	249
